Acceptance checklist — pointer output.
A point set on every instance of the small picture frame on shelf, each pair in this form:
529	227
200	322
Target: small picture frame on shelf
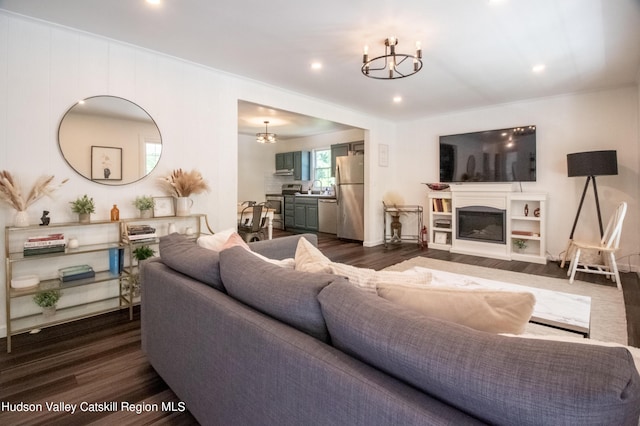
440	238
163	206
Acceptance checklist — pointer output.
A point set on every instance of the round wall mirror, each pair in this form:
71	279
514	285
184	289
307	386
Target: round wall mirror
109	140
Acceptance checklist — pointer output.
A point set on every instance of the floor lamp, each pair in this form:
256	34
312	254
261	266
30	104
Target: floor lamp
590	164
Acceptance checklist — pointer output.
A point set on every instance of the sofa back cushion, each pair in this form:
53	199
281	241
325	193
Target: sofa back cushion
498	379
285	294
182	255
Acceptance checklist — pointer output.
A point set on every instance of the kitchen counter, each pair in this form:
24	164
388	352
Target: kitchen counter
324	196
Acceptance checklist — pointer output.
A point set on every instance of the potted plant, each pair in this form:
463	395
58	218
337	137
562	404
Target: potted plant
143	252
140	253
520	245
145	204
47	300
84	206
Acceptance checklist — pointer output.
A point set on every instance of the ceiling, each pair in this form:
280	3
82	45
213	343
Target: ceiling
475	52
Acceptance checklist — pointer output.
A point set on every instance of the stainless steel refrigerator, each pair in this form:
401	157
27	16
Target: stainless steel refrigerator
350	197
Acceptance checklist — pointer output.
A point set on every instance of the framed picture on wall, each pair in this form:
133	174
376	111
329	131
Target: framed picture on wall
106	163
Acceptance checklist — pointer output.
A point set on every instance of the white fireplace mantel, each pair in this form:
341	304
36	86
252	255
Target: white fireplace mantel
529	227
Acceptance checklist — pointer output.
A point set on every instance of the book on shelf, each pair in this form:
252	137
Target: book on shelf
141	237
139	233
45	241
46	237
140	229
34	251
76	272
442	223
441	205
69	270
79	276
527	233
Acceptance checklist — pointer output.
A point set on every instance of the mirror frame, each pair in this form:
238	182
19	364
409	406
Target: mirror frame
106	181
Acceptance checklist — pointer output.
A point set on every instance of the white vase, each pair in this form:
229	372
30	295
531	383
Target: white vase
22	219
172	228
183	206
49	311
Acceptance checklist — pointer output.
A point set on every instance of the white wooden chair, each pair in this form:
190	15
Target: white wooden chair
605	262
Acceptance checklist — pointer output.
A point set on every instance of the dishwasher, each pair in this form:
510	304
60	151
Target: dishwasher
327	216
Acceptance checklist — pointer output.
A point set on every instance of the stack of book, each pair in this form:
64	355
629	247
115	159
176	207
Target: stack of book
52	243
78	272
140	234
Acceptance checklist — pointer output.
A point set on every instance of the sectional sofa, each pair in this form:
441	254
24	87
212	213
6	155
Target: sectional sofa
244	341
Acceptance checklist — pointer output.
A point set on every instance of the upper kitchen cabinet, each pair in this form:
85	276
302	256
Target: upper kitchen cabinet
342	150
296	164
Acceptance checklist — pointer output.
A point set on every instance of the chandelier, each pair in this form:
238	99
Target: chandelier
266	137
391	65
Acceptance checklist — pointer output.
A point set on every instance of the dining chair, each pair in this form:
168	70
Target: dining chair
600	256
252	221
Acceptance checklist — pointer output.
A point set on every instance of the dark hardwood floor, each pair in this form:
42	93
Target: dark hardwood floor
99	359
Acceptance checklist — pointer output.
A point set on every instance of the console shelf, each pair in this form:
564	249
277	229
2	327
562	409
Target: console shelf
105	292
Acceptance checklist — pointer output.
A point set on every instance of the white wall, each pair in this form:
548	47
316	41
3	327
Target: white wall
44	69
565	124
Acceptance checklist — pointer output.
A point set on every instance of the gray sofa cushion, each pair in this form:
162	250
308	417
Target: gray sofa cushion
285	294
182	255
496	378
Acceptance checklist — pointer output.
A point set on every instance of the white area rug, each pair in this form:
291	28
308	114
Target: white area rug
608	318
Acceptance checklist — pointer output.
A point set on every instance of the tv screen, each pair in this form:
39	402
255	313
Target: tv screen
504	155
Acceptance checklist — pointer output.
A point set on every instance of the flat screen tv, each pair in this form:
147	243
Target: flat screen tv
503	155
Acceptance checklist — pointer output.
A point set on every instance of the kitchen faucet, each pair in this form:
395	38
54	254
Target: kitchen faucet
313	184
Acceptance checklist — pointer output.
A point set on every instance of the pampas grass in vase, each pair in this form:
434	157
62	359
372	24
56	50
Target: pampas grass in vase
181	185
11	194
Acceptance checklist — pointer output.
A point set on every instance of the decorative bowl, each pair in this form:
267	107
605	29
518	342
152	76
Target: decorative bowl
437	186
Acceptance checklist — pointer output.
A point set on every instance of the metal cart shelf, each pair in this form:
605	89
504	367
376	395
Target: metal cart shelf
399	210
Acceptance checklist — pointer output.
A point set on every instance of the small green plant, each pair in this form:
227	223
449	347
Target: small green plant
82	205
144	202
143	252
520	244
47	299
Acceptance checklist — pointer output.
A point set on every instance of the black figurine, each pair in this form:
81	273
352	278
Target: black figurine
44	219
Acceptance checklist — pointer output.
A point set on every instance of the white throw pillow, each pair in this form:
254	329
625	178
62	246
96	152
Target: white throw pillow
492	311
369	279
216	241
310	259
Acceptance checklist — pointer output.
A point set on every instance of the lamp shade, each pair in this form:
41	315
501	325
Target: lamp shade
592	163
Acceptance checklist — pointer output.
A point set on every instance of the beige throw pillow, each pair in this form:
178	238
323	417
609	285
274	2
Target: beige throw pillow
309	259
492	311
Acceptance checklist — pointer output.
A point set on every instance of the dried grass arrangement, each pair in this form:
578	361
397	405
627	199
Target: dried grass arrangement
183	184
11	192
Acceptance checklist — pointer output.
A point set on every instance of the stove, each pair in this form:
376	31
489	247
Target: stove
276	202
291	188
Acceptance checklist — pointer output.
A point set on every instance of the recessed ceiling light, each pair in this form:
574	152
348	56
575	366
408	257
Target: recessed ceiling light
397	99
316	65
538	68
153	1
